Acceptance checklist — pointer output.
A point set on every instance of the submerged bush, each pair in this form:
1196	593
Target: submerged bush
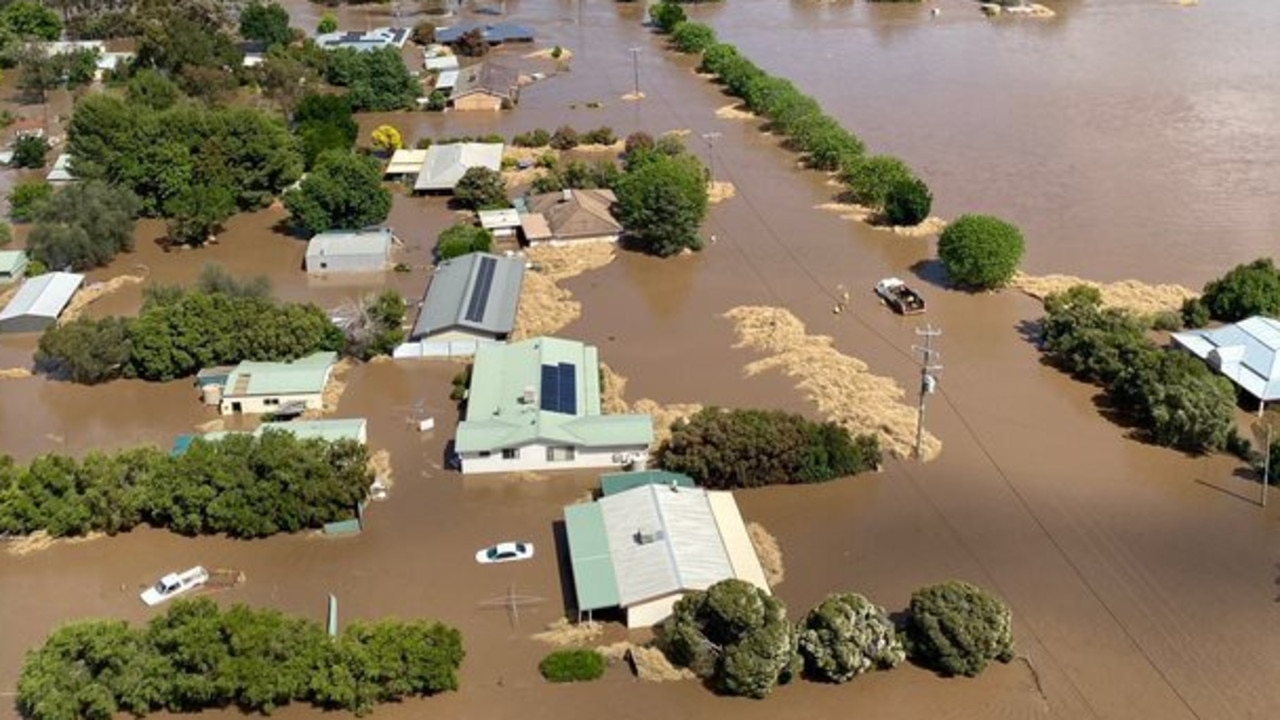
980	251
847	636
576	665
1247	290
958	629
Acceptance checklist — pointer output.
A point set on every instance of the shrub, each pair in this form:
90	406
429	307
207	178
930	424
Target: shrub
957	628
532	139
692	37
908	202
575	665
980	251
28	198
461	239
871	179
1167	321
35	268
565	138
386	139
481	189
847	636
29	151
666	16
557	52
6	234
599	136
424	33
472	44
727	449
1247	290
1195	314
638	141
328	23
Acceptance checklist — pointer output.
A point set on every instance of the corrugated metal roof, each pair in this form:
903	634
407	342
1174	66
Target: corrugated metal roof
405	162
446	164
499	219
43	296
448	80
61	171
12	261
1247	352
440	62
495	33
594	582
303	376
454	285
337	243
614	483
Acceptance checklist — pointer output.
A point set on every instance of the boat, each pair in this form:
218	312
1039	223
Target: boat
902	299
175	584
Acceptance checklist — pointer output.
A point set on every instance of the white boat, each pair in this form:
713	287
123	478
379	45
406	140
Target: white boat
175	584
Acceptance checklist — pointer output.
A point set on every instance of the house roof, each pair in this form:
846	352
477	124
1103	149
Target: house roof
576	213
304	376
337	243
364	40
478	291
495	33
440	62
446	164
43	296
654	540
61	171
487	78
563	377
405	162
448	80
614	483
499	219
12	261
330	430
1247	352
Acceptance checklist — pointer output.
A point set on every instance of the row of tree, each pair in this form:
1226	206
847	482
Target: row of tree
738	638
727	449
1246	290
197	656
241	485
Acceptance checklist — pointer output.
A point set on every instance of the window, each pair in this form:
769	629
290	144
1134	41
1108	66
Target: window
271	401
560	454
511	454
485	453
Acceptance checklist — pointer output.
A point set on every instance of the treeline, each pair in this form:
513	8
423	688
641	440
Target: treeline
196	657
885	184
1244	291
737	637
242	485
728	449
1173	398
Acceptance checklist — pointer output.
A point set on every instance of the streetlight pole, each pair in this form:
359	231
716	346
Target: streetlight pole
928	381
710	137
635	69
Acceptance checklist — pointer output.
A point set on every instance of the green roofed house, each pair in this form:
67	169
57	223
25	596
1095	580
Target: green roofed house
330	430
535	405
642	549
263	387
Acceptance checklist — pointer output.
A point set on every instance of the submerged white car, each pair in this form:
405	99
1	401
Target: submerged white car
505	552
175	584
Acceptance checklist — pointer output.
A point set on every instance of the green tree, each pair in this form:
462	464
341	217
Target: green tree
151	89
1247	290
29	151
28	198
1195	314
89	351
328	23
481	189
266	23
1182	403
980	251
462	238
344	191
908	202
324	122
1092	343
176	36
84	226
214	278
197	214
692	37
666	16
957	628
662	203
29	19
377	80
380	326
39	72
847	636
733	634
572	665
871	179
564	138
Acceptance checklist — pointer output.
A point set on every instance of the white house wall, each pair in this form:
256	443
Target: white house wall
562	242
346	263
534	458
652	612
262	404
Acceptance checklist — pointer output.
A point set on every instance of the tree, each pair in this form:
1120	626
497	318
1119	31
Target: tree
871	179
462	238
324	122
692	37
28	198
176	36
847	636
153	90
40	72
639	141
266	23
908	202
379	328
481	189
472	43
386	139
377	80
1182	403
344	191
6	234
564	138
29	19
29	151
957	628
1247	290
197	214
1092	343
1195	314
84	226
733	634
214	278
980	251
666	16
424	33
89	351
328	23
662	204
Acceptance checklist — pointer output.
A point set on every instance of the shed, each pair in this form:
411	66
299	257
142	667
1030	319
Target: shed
494	34
471	297
502	223
349	251
39	302
614	483
404	163
447	81
13	266
440	63
446	164
262	387
61	174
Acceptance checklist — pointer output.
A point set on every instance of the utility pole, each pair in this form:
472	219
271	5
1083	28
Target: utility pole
928	380
635	69
1266	466
710	137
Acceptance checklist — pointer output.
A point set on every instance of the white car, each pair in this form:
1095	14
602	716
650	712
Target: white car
505	552
174	584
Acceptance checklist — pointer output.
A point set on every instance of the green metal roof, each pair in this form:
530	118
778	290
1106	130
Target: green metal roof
594	580
12	262
614	483
329	430
497	416
304	375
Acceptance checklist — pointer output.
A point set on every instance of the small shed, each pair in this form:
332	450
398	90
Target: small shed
440	63
39	302
405	163
13	266
447	81
349	251
60	174
502	223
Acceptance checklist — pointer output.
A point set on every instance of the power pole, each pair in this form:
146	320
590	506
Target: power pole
928	380
635	69
710	137
1266	466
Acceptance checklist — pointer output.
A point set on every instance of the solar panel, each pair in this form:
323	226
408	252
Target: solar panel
550	399
480	291
568	389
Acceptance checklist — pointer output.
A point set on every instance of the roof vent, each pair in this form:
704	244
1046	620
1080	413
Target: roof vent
566	195
648	537
530	395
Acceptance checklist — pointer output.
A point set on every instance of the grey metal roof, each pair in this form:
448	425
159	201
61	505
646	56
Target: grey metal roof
446	164
43	296
459	293
376	241
1247	352
362	40
495	33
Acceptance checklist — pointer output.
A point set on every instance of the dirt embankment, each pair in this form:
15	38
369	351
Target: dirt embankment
1137	297
843	387
612	390
545	307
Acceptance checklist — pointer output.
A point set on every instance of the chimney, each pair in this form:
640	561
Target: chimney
566	195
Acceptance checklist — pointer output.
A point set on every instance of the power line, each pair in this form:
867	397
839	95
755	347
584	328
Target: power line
928	378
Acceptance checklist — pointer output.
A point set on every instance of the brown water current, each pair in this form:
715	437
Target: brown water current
1130	138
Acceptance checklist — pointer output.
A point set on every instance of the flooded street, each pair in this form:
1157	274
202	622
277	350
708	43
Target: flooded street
1130	138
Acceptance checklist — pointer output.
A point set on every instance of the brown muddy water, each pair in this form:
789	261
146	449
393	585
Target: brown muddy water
1129	138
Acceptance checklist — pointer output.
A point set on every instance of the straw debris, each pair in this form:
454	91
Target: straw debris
612	402
734	111
14	373
41	540
1137	297
842	387
380	465
92	293
718	191
214	425
545	307
562	633
769	552
931	225
333	390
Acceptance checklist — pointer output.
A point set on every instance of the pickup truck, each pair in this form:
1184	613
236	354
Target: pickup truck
895	293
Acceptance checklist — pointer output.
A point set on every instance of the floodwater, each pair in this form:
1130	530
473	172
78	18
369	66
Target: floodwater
1128	138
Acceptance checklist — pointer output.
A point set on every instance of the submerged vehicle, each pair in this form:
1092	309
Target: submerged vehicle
175	584
505	552
895	293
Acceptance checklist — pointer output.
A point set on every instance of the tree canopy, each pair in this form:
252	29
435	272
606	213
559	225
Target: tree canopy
30	20
322	122
847	636
481	189
871	179
1246	290
267	23
462	238
84	226
343	192
980	251
376	80
958	629
661	203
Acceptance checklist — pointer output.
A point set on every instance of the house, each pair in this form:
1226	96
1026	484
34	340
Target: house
375	39
13	266
570	216
337	251
446	164
486	86
472	297
104	61
439	63
1247	352
643	548
329	430
535	405
502	223
447	81
494	34
405	163
263	387
39	302
60	174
